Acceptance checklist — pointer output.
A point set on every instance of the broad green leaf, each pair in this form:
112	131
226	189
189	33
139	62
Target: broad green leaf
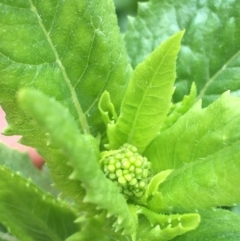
210	52
124	8
218	225
62	48
197	134
147	99
202	184
82	152
21	163
30	214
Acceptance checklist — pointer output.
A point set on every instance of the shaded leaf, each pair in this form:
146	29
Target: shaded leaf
210	52
21	163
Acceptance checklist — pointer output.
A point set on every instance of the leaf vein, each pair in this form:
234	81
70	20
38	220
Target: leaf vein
214	77
81	117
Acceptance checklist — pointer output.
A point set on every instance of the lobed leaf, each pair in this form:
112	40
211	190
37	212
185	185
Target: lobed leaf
21	210
147	99
216	225
82	152
210	52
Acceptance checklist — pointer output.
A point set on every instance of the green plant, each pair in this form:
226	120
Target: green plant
132	158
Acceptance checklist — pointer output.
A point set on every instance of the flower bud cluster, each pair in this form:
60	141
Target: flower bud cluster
128	169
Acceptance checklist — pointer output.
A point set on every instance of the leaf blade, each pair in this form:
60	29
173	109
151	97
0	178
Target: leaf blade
147	100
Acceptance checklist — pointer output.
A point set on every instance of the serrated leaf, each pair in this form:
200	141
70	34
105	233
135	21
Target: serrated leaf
147	99
210	52
165	227
82	152
21	210
197	134
218	225
205	183
21	163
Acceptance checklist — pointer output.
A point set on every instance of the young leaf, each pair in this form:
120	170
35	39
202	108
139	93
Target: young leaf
217	225
197	134
82	152
107	108
180	108
147	100
165	227
205	183
21	210
210	52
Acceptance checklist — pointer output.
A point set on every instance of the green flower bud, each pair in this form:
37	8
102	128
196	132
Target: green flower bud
128	169
119	173
111	168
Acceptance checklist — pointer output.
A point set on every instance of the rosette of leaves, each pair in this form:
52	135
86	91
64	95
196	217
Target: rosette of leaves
68	89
